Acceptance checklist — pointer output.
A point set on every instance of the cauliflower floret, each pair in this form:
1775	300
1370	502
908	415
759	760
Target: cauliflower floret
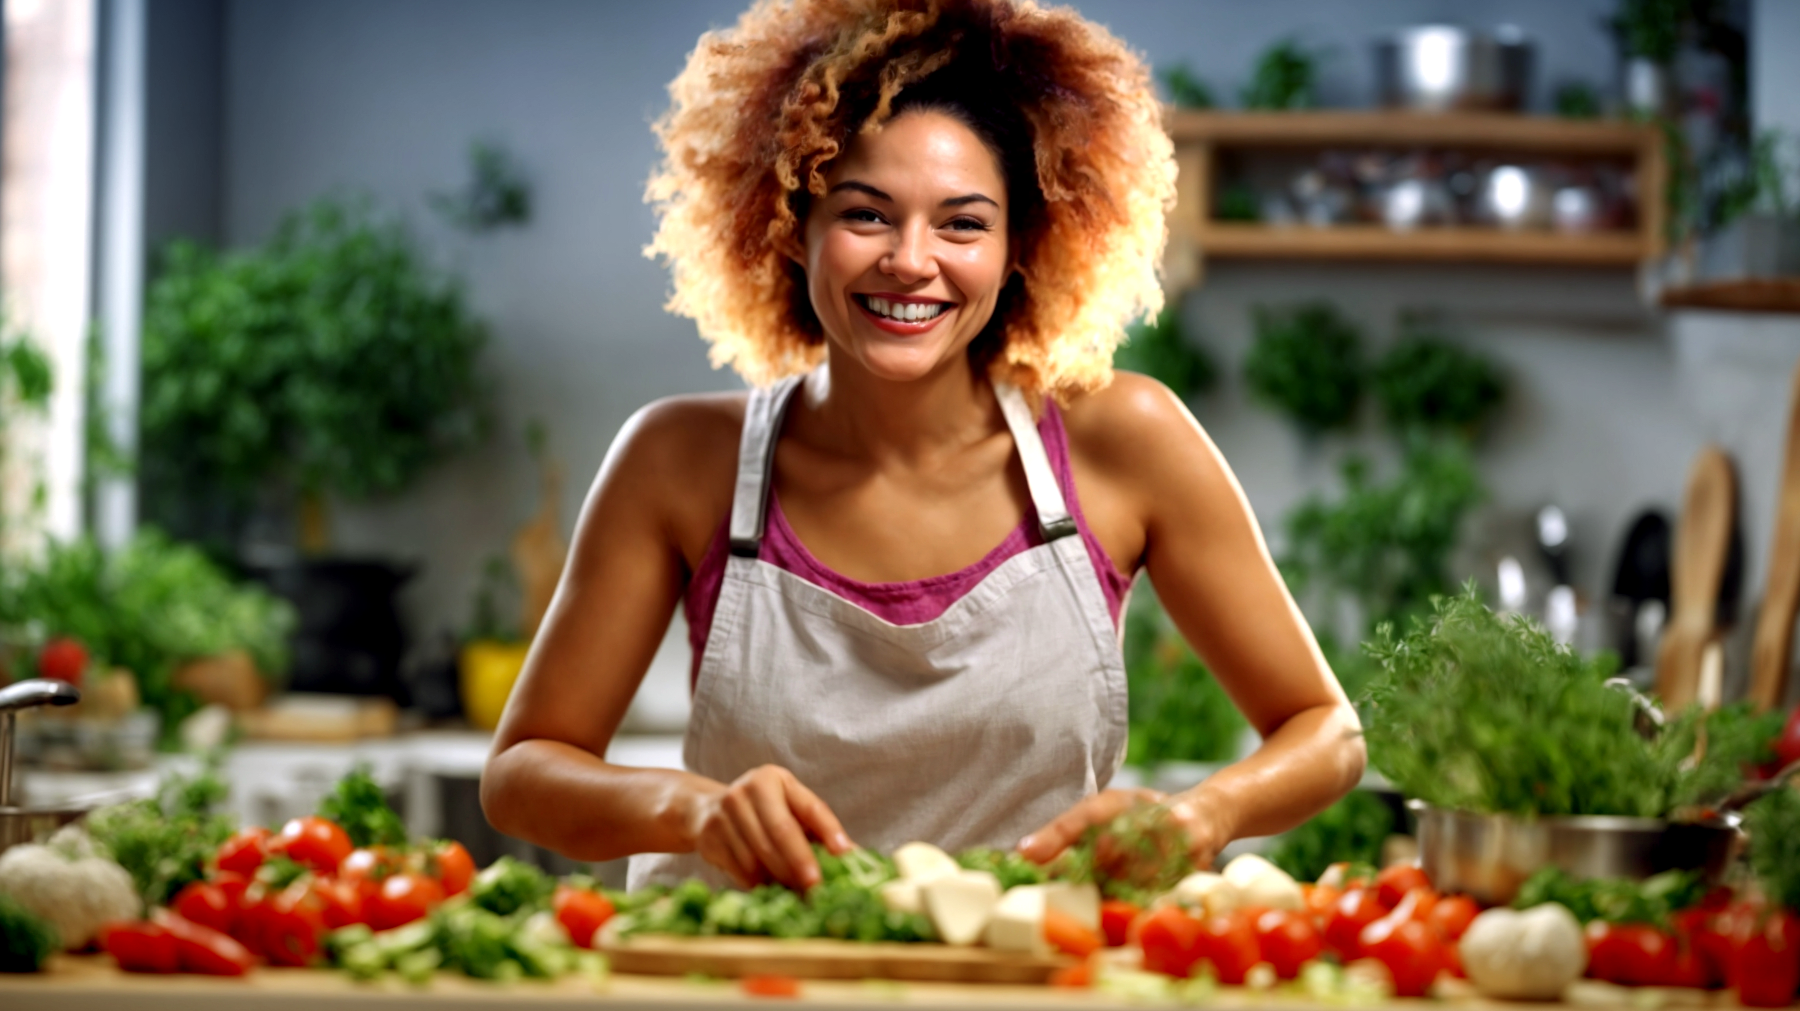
67	884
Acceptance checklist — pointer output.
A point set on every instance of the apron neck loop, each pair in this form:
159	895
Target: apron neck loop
1054	520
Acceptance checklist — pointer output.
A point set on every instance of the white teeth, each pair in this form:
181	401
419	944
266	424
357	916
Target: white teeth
910	312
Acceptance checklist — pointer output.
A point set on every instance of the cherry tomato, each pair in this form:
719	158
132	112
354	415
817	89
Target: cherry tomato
1452	916
316	842
365	869
581	913
1288	941
1693	928
1320	901
1069	935
1392	884
340	903
1229	943
1343	930
234	885
403	898
770	986
203	949
455	868
1630	954
1116	916
245	851
1171	940
1412	951
1766	965
1719	936
64	659
141	946
292	926
207	904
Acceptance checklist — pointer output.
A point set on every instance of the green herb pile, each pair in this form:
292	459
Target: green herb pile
1774	826
1137	856
1178	711
846	904
1307	363
1615	900
1427	382
165	841
26	940
1284	78
1477	712
359	805
1009	866
147	608
1352	830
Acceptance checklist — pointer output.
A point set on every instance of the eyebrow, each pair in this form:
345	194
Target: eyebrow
965	199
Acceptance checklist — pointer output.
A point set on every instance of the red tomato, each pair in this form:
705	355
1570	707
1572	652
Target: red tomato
1766	965
1787	746
203	949
366	869
291	925
245	851
1452	916
1320	901
1630	954
581	913
316	842
1343	930
1392	884
340	903
234	885
140	946
1171	940
770	986
1288	941
1412	951
1229	943
1693	930
455	868
1115	921
64	659
403	898
207	904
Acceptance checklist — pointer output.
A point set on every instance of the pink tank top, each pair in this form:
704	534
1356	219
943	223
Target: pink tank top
911	602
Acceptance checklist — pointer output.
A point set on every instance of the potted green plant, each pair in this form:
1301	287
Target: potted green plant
330	363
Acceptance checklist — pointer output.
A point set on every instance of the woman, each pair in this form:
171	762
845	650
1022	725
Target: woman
919	227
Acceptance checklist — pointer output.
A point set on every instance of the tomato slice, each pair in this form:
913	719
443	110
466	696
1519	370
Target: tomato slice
581	913
203	949
141	946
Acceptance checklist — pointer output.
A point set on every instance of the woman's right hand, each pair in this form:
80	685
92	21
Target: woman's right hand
758	827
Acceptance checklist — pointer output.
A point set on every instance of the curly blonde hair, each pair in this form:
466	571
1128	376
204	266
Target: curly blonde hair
762	110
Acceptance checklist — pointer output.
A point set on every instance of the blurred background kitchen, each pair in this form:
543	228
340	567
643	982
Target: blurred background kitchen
321	315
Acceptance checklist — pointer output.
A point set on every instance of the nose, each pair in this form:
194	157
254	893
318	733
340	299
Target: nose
910	260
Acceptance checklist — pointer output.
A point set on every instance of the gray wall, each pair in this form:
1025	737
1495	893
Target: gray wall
385	97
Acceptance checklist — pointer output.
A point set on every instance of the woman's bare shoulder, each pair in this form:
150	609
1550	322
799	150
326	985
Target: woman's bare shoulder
678	457
1133	423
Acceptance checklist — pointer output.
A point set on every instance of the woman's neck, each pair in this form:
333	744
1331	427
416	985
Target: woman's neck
853	412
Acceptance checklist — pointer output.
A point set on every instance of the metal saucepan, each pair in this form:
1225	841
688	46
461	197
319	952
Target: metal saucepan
20	824
1439	67
1489	856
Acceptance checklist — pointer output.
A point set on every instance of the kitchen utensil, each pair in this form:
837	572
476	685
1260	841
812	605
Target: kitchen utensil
1439	67
1771	652
1702	543
1576	209
1512	197
1488	856
18	824
821	959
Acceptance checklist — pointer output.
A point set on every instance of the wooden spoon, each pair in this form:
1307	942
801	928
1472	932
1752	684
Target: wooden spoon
1771	650
1701	543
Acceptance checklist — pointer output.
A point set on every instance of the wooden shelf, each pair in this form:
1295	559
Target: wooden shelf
1224	240
1779	295
1200	137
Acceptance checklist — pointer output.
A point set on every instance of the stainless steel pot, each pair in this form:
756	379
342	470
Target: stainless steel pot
19	824
1438	67
1489	856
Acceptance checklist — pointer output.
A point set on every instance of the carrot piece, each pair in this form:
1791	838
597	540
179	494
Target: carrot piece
1067	934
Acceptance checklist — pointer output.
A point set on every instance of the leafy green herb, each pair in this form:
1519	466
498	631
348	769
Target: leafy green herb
1774	825
860	867
1162	351
26	940
1284	78
1185	88
280	871
1178	710
1426	382
360	806
1576	100
1307	362
1009	866
1477	712
166	840
1352	829
1614	900
1140	854
508	885
1651	28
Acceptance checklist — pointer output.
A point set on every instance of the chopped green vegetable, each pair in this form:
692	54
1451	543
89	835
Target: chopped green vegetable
1137	856
507	886
26	940
1774	825
1352	829
360	806
1009	866
1614	900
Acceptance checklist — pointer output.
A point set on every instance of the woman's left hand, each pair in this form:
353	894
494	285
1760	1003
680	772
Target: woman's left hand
1203	823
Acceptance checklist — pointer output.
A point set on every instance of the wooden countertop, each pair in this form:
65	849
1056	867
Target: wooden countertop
91	983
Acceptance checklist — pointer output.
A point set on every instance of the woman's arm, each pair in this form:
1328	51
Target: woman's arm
1213	574
662	490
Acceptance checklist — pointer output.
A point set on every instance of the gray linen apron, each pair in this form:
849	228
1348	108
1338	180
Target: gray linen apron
971	729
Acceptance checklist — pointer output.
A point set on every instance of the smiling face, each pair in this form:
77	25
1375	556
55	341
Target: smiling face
907	253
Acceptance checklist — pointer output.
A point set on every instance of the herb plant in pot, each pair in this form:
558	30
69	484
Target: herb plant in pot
331	363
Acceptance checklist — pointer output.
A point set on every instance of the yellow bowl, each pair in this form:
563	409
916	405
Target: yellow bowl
488	670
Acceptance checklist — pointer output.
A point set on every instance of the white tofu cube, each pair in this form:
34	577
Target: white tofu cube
903	897
921	861
961	904
1018	921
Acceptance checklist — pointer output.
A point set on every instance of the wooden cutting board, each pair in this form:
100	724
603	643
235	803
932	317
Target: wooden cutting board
657	955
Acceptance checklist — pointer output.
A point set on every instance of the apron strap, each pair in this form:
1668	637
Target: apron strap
756	461
1054	520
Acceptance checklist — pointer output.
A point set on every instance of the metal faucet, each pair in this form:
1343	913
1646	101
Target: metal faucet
26	695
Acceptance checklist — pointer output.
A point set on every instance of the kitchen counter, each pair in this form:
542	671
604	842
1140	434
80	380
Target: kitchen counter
91	983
